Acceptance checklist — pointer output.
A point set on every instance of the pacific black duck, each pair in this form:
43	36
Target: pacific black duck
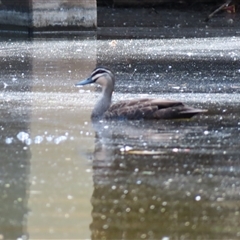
145	108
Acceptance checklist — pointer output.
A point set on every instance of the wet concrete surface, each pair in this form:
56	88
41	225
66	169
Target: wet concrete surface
63	177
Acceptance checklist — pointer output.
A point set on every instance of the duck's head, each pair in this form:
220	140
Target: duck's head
100	75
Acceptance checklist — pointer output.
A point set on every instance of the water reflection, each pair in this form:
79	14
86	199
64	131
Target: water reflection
157	180
164	179
14	186
15	153
40	176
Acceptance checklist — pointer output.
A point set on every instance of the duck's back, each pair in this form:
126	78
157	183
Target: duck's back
150	109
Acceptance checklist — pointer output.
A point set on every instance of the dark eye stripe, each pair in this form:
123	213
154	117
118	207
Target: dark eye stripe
96	76
99	71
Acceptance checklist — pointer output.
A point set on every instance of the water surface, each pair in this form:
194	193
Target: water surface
62	177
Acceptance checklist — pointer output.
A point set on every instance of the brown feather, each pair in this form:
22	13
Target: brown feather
150	109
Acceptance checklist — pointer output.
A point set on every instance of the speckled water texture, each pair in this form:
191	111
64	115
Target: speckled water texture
62	177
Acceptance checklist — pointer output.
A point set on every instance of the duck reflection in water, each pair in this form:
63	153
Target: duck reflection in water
120	156
145	108
135	183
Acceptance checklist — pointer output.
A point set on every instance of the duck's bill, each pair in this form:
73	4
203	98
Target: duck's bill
84	82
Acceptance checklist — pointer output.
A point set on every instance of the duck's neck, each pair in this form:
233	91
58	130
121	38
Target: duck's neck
103	103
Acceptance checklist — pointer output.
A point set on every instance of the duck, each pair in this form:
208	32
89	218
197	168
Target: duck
136	109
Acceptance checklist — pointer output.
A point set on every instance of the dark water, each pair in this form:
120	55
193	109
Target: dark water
62	177
167	179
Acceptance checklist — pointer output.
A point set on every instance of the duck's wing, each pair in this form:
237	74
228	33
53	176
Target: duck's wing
150	109
128	103
168	109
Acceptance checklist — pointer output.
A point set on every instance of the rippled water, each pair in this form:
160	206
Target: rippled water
62	177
